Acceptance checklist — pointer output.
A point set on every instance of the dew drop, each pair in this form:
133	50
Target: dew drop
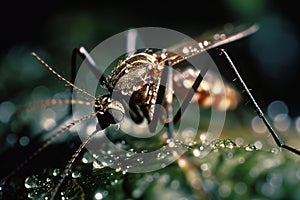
204	167
185	50
31	182
129	154
258	144
114	182
250	147
217	144
87	158
98	196
76	174
99	165
56	172
196	152
161	155
229	144
118	169
274	150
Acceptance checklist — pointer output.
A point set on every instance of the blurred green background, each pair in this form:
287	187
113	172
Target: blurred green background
268	61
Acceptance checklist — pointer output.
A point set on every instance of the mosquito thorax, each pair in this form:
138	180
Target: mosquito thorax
137	78
133	73
108	111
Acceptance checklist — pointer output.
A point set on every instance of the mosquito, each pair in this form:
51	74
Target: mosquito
143	100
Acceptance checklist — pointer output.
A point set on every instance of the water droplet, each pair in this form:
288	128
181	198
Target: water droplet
140	160
217	144
196	152
122	144
171	143
274	150
76	174
24	141
99	165
204	167
56	172
36	195
31	182
144	151
118	169
161	155
129	154
114	182
87	158
229	144
98	196
250	147
185	50
258	144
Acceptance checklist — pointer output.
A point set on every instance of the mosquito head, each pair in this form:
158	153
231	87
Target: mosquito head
108	111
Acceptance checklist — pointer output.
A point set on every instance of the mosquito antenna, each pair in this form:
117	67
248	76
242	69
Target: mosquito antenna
47	143
70	163
60	77
257	108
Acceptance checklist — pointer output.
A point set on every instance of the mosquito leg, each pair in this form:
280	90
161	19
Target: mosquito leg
70	163
190	95
169	101
131	41
257	108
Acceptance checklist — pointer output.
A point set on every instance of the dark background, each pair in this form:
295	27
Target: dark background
268	60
